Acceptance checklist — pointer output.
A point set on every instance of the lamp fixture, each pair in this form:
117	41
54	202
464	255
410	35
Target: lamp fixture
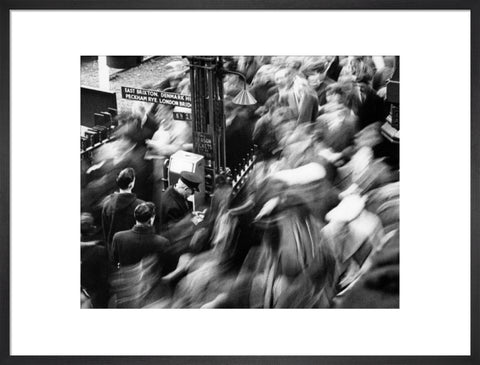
244	97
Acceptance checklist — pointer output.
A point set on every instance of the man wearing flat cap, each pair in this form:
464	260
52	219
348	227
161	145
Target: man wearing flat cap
175	205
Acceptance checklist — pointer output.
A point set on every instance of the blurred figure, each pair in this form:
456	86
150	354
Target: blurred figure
316	74
385	202
368	106
296	268
139	285
364	173
295	93
263	84
211	275
146	124
248	65
291	267
232	85
270	135
94	264
230	63
118	208
384	73
355	234
337	124
307	101
284	79
174	73
203	239
240	124
171	136
126	150
107	161
359	69
294	63
378	286
298	146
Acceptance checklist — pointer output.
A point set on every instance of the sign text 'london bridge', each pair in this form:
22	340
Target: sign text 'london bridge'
158	97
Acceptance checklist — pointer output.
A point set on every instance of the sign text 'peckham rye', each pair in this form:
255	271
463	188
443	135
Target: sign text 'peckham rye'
158	97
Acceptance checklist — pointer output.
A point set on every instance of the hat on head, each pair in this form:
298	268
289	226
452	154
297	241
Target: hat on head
191	180
143	212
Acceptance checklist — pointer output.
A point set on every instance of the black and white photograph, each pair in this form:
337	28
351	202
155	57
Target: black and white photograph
236	157
240	181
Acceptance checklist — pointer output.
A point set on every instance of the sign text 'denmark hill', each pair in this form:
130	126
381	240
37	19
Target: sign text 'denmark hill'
158	97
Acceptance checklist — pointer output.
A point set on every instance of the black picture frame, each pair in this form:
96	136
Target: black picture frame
6	6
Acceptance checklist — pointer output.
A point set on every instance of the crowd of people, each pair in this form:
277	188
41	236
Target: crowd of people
316	225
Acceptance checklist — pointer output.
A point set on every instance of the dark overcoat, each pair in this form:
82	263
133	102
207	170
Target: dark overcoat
130	247
174	207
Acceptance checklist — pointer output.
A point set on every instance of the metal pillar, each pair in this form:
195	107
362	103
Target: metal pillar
208	119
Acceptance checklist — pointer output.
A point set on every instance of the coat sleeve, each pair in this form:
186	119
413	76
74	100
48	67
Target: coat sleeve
113	256
105	224
171	212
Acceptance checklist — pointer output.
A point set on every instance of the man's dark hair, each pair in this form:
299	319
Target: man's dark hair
125	177
143	212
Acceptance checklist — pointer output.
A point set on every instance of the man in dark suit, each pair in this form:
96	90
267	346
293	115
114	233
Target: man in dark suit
130	247
142	258
118	208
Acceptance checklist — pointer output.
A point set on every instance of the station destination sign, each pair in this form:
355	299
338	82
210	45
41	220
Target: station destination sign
157	97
